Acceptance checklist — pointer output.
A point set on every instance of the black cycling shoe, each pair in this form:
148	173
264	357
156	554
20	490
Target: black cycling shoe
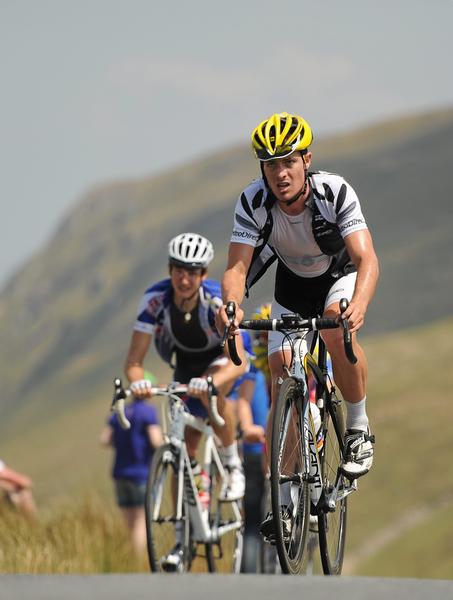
267	527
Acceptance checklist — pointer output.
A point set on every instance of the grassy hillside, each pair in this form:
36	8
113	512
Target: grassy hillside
399	519
84	535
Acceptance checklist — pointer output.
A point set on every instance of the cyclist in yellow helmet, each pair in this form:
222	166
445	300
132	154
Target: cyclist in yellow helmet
311	223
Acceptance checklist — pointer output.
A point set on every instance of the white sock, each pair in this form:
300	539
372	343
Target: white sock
230	455
356	415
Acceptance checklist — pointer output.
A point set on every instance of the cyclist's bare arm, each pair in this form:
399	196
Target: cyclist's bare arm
252	433
133	367
9	477
360	247
228	374
233	282
106	436
155	436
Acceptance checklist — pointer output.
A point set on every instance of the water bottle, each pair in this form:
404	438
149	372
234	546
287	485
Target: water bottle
202	483
316	414
204	489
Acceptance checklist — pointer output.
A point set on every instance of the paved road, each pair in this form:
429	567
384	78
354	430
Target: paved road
217	587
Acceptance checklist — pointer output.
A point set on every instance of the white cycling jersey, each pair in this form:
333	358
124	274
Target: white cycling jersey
291	237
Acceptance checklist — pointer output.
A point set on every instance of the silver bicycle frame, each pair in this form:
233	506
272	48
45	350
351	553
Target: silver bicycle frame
179	419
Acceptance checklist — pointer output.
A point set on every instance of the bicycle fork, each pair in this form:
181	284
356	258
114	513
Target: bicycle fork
319	494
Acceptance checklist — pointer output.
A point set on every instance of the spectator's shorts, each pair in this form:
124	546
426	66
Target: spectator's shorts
130	493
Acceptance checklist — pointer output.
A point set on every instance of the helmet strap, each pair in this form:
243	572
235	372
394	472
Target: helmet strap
299	194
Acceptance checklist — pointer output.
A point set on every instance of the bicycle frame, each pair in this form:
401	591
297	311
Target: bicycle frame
187	491
298	371
313	462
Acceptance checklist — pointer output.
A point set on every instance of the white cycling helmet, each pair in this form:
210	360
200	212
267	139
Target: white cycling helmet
190	250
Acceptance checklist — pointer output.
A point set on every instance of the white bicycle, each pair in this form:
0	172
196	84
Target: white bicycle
173	499
306	480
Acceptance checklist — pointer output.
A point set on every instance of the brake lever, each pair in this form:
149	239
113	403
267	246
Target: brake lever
119	396
213	408
347	337
230	310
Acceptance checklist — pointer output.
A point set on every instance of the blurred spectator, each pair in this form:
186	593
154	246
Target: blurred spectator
17	489
133	449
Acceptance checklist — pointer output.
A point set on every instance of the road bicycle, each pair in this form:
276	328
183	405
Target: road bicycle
305	477
173	498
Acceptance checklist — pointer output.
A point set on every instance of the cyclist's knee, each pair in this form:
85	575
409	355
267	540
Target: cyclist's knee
333	339
276	362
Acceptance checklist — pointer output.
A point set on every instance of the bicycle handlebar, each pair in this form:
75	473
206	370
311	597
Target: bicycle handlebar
120	394
289	321
213	412
294	321
230	310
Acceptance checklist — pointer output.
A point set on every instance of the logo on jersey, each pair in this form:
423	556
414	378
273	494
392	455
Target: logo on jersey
351	223
245	234
153	304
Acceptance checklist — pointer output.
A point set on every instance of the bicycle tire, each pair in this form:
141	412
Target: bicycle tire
288	427
332	524
160	511
224	556
268	560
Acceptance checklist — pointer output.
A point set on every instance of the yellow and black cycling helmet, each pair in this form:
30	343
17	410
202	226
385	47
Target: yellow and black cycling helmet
280	135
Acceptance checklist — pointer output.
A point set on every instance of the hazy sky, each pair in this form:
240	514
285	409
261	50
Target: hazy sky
95	90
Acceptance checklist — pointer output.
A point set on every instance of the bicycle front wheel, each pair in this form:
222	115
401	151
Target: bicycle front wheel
162	523
289	487
332	523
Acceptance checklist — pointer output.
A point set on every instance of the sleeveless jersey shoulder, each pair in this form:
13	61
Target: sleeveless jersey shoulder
152	305
337	202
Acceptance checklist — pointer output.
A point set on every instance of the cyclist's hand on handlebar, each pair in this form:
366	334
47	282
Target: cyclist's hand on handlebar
355	314
223	321
197	387
141	388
